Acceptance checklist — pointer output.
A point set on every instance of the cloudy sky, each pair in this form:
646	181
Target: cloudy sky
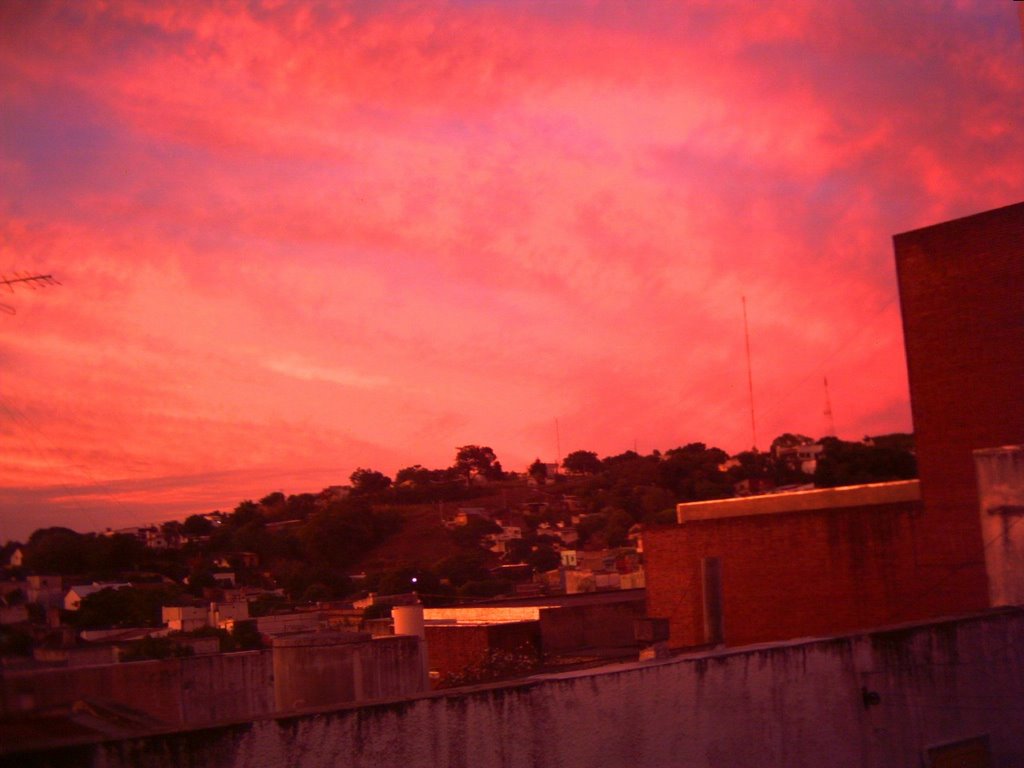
294	238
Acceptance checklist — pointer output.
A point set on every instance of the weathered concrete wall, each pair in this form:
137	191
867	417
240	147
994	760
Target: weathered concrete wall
1001	500
564	628
452	648
226	686
792	706
602	625
325	668
192	690
199	690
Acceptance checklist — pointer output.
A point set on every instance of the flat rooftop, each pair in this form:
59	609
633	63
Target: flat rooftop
797	501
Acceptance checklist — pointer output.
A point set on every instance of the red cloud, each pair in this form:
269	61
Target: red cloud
380	231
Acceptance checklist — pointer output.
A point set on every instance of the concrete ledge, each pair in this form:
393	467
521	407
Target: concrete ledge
797	501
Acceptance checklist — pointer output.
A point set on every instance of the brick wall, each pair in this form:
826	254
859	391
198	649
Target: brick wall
603	625
797	574
963	318
451	648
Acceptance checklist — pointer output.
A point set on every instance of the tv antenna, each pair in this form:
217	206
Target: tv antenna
33	281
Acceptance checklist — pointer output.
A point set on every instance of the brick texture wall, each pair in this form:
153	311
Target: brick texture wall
797	574
603	625
451	648
962	297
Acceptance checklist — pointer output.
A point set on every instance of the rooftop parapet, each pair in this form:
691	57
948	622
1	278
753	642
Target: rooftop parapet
801	501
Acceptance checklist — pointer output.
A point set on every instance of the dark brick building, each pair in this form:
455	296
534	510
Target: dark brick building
962	296
743	575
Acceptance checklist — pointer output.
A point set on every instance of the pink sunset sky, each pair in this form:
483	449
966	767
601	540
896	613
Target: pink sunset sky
295	239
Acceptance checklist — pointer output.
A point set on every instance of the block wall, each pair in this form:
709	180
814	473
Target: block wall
798	574
192	690
797	705
601	625
451	648
963	325
198	690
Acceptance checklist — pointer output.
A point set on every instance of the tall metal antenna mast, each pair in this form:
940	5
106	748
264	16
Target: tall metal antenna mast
750	374
32	281
828	411
558	445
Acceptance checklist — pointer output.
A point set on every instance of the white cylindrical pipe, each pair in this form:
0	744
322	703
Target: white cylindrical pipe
408	620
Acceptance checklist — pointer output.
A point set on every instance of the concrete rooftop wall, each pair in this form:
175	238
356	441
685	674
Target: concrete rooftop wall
798	501
790	706
304	671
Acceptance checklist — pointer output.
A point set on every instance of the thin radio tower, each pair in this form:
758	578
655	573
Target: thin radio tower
750	375
558	445
828	411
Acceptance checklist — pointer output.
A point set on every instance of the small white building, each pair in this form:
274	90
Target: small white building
16	559
75	595
223	613
499	541
184	618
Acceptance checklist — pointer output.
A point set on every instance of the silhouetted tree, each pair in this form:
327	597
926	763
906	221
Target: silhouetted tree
582	463
477	461
274	499
366	481
197	525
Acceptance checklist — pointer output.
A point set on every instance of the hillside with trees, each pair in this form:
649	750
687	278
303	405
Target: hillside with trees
380	533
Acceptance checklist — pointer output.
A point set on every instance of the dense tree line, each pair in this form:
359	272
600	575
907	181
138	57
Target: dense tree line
309	544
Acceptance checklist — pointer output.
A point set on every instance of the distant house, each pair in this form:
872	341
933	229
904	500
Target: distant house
45	590
803	457
499	541
222	613
464	514
75	595
154	538
753	486
550	472
15	558
184	618
224	578
568	536
236	560
636	536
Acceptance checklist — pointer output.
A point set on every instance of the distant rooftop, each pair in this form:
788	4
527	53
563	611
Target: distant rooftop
797	501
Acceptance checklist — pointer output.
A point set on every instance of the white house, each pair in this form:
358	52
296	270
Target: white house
75	595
